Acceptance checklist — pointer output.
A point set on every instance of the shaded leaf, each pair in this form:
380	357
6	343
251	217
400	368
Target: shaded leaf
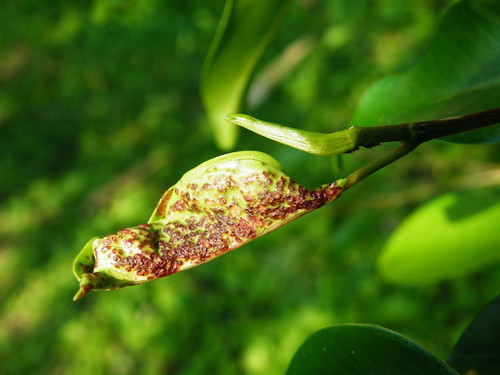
245	30
459	75
364	350
478	349
450	236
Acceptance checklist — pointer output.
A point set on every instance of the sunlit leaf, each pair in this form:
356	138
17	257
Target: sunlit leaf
448	237
216	207
478	349
364	350
460	74
245	30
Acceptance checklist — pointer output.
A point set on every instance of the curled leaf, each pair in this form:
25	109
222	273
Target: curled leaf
311	142
214	208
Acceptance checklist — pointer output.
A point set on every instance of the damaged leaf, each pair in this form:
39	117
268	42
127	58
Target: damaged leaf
215	208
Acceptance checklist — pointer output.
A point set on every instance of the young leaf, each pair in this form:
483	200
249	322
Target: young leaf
447	237
245	30
214	208
460	74
311	142
364	350
478	349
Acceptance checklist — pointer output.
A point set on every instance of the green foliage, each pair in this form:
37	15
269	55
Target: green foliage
477	349
99	115
448	237
245	30
364	350
459	75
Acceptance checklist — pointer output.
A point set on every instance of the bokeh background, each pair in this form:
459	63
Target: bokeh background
100	113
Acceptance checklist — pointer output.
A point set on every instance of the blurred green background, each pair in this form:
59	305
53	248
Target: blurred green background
100	113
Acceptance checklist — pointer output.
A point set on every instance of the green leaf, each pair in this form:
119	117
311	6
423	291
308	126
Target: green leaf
448	237
459	75
245	30
364	350
478	349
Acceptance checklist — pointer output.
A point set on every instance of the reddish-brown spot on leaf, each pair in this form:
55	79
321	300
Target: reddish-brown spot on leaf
236	203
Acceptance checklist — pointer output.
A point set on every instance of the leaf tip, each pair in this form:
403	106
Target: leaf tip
86	285
239	119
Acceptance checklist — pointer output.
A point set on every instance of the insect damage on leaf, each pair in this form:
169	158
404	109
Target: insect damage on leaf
215	208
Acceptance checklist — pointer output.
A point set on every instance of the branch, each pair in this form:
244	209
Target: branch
366	137
379	163
427	130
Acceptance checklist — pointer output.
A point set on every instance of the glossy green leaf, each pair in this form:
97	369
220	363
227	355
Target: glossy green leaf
448	237
364	350
245	30
460	74
478	349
